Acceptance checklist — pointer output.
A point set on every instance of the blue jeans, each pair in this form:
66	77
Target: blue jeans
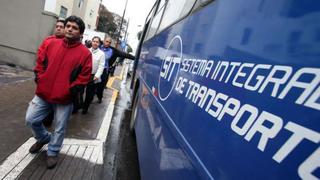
38	109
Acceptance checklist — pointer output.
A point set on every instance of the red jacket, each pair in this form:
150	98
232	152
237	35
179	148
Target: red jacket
45	43
61	67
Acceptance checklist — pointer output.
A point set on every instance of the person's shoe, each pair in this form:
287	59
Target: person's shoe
36	147
52	161
99	101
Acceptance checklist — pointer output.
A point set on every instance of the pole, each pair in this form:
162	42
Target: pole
124	12
125	35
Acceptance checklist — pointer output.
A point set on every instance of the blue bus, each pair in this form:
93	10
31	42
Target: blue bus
228	89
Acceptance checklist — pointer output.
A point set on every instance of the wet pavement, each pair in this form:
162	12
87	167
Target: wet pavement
14	99
87	153
11	73
16	90
121	153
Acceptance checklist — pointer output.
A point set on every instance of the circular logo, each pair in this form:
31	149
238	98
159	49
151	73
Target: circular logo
170	68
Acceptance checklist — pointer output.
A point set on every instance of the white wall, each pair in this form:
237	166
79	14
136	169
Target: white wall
25	25
50	5
93	5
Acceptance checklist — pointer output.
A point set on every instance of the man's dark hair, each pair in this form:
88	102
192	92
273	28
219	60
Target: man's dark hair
77	20
94	37
61	20
87	43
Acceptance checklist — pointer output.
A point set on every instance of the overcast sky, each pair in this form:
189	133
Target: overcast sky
136	13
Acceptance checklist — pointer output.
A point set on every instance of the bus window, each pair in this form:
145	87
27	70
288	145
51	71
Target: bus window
175	9
149	19
161	4
155	21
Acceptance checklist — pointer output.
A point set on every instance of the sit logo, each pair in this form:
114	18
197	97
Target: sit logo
170	68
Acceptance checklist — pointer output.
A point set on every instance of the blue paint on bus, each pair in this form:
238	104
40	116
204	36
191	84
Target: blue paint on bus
232	92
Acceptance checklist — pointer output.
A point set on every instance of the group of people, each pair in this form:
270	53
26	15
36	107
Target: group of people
104	57
64	70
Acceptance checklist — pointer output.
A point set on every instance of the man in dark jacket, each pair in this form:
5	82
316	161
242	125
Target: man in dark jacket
111	54
61	70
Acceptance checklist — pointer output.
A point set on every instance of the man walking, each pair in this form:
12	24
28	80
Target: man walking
62	70
57	34
98	60
111	55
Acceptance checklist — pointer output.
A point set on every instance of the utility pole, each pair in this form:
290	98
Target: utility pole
124	12
125	35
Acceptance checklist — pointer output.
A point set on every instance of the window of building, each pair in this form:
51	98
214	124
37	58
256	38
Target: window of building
80	3
91	13
63	12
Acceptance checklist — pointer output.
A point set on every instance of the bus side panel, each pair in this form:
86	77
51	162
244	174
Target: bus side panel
254	113
160	156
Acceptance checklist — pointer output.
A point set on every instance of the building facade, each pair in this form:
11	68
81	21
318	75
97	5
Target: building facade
63	8
25	25
92	14
88	10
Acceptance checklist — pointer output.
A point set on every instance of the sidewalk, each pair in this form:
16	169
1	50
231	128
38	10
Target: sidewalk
81	156
11	73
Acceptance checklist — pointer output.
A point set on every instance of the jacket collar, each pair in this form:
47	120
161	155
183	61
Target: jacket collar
58	37
105	48
70	44
94	50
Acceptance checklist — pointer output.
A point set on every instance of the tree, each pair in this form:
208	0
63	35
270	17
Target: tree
106	21
110	22
117	21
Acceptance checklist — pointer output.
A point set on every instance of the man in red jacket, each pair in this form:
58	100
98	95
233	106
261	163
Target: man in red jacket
61	70
57	34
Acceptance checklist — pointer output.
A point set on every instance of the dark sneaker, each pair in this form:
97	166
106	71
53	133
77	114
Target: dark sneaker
99	101
36	147
52	161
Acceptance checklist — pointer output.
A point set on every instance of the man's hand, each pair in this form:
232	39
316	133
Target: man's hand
95	78
131	57
36	78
